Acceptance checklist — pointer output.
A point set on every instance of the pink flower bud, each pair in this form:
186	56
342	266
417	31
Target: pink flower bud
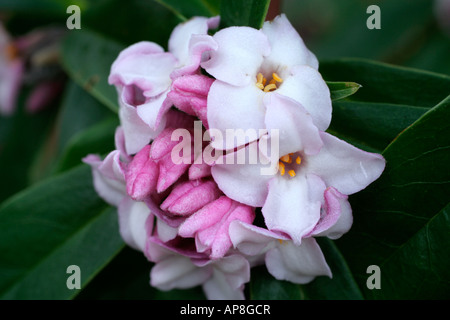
142	175
189	94
190	196
210	225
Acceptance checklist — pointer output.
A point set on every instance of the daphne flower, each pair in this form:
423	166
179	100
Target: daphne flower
292	197
143	74
249	64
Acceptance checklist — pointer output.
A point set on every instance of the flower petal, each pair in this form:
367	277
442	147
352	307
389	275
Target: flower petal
293	205
109	177
338	217
253	240
239	55
288	48
137	133
244	111
344	166
145	65
307	86
133	216
297	263
177	272
296	129
182	33
228	279
244	182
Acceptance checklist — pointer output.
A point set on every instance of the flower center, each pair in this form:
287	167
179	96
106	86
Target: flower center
261	82
288	165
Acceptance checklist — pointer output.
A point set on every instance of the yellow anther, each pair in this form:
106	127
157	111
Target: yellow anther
291	173
259	78
280	241
298	160
287	158
281	168
273	81
260	85
270	87
264	81
276	77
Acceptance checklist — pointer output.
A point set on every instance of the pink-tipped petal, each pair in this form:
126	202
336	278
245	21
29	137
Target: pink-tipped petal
337	217
145	65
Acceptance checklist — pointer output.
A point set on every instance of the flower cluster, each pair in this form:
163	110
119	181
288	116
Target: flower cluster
208	222
31	60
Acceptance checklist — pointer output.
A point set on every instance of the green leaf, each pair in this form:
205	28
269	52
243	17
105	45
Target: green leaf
131	21
47	7
186	9
78	110
50	226
87	57
20	138
372	126
250	13
404	215
263	286
341	90
97	139
342	286
387	83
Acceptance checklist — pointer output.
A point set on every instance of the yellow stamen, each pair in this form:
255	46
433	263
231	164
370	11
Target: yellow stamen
291	173
273	81
270	87
276	77
286	158
264	81
280	241
281	168
259	78
260	85
298	160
